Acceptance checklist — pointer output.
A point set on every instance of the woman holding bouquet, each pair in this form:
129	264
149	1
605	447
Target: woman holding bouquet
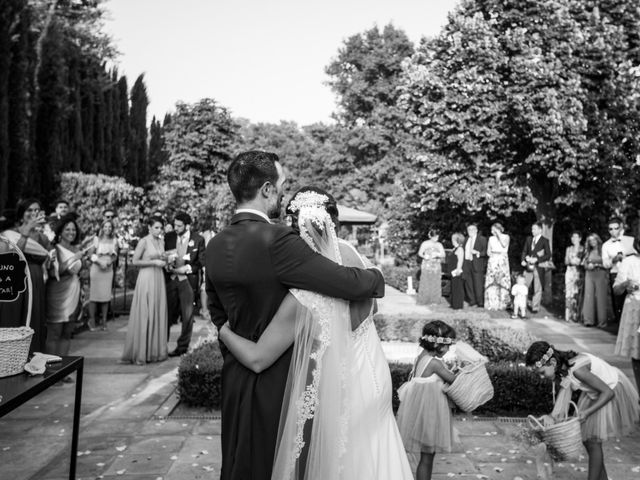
432	254
63	287
105	252
146	339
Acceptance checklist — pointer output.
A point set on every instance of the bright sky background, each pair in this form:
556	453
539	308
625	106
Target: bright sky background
262	59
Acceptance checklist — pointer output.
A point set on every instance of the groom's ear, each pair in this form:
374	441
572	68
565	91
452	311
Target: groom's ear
265	189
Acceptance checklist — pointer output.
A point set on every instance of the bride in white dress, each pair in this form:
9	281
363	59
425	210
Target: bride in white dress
336	420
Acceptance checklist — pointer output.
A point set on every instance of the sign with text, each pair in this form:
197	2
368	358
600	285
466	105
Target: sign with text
13	276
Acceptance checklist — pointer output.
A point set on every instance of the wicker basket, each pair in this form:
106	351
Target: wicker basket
471	388
15	342
565	437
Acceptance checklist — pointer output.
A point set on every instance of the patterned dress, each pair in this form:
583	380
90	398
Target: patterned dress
573	283
430	289
497	284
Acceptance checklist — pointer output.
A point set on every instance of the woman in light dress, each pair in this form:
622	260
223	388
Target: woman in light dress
628	280
63	287
497	284
337	420
432	254
146	339
573	278
105	252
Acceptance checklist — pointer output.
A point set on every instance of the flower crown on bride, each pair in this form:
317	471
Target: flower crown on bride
312	205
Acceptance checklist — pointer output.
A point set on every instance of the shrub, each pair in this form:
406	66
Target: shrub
199	376
397	276
90	194
496	342
517	390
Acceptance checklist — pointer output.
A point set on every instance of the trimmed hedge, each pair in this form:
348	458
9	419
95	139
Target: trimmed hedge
496	342
518	391
200	375
397	276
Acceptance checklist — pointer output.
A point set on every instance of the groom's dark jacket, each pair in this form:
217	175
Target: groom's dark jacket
250	267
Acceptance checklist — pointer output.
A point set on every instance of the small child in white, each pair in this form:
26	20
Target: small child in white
520	292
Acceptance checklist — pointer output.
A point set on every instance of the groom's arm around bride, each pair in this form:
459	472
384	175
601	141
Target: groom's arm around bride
250	267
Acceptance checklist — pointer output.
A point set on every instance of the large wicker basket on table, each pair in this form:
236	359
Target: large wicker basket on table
15	342
471	388
565	437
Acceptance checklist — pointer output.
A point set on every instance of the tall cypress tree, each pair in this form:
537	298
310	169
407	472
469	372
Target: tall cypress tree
138	171
157	153
124	123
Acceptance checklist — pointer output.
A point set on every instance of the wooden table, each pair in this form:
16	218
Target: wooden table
19	389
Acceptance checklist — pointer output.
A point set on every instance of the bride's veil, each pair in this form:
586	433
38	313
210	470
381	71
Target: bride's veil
314	422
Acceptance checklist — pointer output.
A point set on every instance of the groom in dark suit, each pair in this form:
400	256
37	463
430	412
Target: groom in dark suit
250	267
182	277
536	251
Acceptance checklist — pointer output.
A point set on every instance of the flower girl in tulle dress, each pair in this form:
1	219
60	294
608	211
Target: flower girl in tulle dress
424	417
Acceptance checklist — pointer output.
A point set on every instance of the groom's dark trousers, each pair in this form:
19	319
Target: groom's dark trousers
250	267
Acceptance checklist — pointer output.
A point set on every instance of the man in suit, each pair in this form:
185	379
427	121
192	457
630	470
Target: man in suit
474	266
536	251
183	274
250	267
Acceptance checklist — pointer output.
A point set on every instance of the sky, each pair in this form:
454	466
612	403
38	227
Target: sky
262	59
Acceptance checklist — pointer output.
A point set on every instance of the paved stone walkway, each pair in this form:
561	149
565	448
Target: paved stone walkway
124	433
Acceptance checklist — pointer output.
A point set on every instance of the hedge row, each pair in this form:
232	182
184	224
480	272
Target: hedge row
518	391
498	343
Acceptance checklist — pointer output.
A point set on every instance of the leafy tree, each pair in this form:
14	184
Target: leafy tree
199	142
508	111
371	138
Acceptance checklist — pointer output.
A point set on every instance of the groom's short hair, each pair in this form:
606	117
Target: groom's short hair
249	171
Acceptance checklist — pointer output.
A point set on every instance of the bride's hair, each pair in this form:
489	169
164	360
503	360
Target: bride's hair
330	206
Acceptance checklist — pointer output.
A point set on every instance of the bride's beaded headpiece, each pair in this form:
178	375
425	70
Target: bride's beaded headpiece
545	358
440	340
313	205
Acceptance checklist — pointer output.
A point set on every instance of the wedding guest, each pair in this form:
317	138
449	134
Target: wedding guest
497	282
520	293
596	284
573	278
35	246
613	251
61	209
628	280
146	339
536	251
104	255
432	254
474	266
455	260
184	275
63	287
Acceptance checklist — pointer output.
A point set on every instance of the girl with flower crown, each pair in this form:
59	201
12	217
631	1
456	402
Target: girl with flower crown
424	416
608	403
